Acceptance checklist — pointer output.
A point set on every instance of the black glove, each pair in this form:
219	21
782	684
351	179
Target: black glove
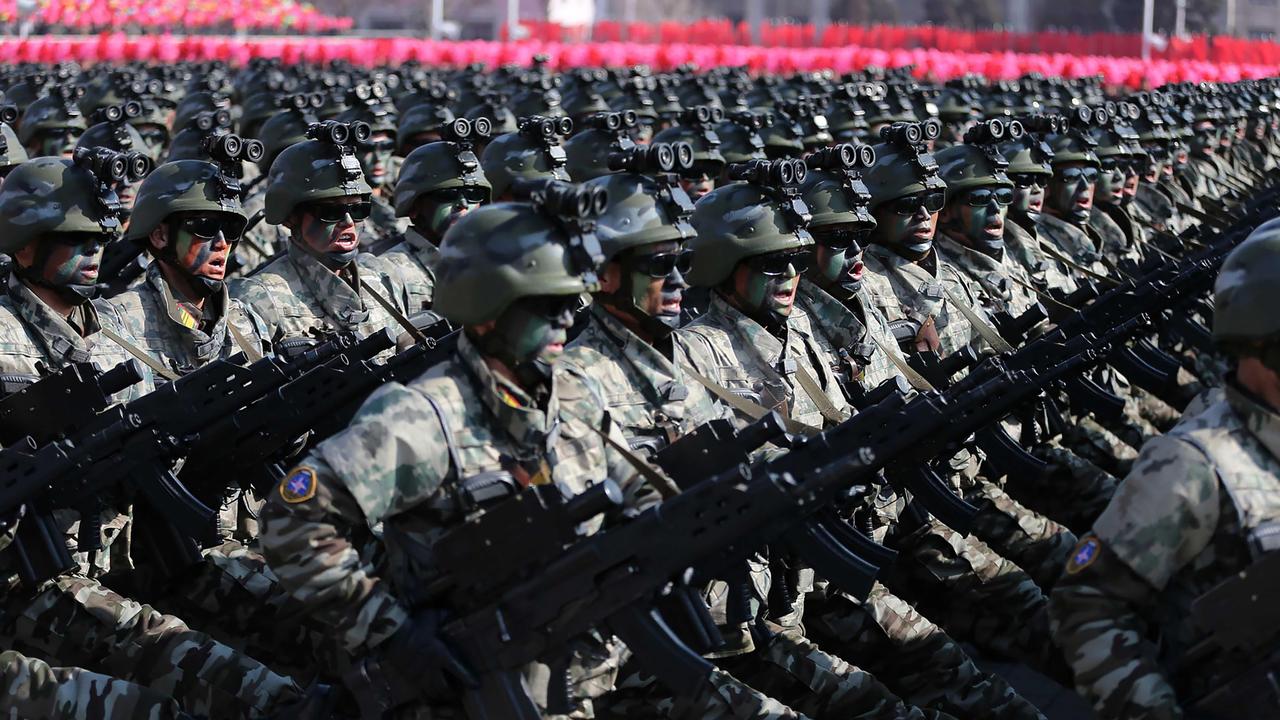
415	663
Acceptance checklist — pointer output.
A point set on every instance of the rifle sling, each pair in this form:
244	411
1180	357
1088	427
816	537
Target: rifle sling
987	332
246	346
1112	282
755	411
156	366
917	380
394	312
810	385
656	478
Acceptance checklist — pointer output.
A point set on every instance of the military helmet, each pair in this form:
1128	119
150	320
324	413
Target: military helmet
587	152
740	139
964	167
738	221
308	171
641	211
834	190
279	132
380	118
422	118
121	137
1072	148
500	253
182	186
1028	155
781	139
437	166
521	155
900	172
195	103
53	194
1248	286
50	112
707	158
11	150
259	108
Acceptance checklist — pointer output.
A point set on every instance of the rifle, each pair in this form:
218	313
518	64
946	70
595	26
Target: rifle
523	583
62	402
255	439
134	446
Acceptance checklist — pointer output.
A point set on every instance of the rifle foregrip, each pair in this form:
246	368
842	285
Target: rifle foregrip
836	563
501	695
658	651
928	488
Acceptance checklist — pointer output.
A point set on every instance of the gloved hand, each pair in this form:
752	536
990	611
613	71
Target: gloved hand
414	664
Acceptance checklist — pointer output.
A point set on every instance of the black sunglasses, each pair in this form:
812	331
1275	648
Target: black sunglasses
472	195
933	201
1026	180
207	227
551	307
383	145
661	265
983	196
842	238
334	213
1075	174
777	263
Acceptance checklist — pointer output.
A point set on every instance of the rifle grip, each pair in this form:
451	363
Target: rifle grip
658	651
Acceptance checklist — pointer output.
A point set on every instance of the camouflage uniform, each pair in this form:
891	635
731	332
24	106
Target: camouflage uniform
296	294
1023	246
1176	528
454	422
740	355
262	241
1079	245
415	257
382	222
29	688
908	291
1118	242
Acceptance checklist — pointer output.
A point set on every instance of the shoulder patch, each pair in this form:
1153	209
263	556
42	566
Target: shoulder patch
298	486
1085	552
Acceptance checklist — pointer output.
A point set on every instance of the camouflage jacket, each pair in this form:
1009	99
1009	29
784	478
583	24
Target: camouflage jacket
1121	239
296	294
1078	244
1177	527
1023	245
262	241
416	258
174	332
1203	172
381	223
1155	206
402	470
856	327
646	393
740	355
914	293
1001	285
32	334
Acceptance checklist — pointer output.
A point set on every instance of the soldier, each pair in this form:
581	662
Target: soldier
439	183
12	154
492	413
52	124
1068	203
1122	239
1030	172
380	167
752	342
317	190
917	659
1195	511
697	129
263	240
49	320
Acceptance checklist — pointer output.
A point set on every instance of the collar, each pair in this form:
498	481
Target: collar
512	408
766	344
339	298
834	317
188	322
423	249
1261	421
59	339
647	366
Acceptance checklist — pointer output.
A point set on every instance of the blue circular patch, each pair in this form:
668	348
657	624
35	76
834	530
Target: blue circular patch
1085	553
298	486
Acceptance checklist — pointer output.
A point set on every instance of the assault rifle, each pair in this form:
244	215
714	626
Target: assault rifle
257	438
522	582
63	401
134	447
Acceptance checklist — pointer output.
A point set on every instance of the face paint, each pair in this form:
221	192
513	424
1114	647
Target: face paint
655	301
1070	195
530	335
829	263
338	242
1110	185
206	257
436	212
68	261
375	158
697	188
910	236
768	299
58	142
981	228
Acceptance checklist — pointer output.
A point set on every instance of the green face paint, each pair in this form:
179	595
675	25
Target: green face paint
829	262
530	335
439	211
983	227
1110	186
1070	198
72	259
766	298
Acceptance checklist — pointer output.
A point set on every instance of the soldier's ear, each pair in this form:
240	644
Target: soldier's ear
159	237
611	277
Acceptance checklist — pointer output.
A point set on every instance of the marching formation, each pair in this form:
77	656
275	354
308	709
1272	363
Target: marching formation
335	392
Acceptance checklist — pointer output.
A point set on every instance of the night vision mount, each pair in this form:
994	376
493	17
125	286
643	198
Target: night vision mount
780	179
575	208
110	168
345	138
910	139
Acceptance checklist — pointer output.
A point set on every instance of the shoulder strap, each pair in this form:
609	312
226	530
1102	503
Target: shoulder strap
155	365
810	385
987	332
755	411
395	313
665	486
455	462
246	346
